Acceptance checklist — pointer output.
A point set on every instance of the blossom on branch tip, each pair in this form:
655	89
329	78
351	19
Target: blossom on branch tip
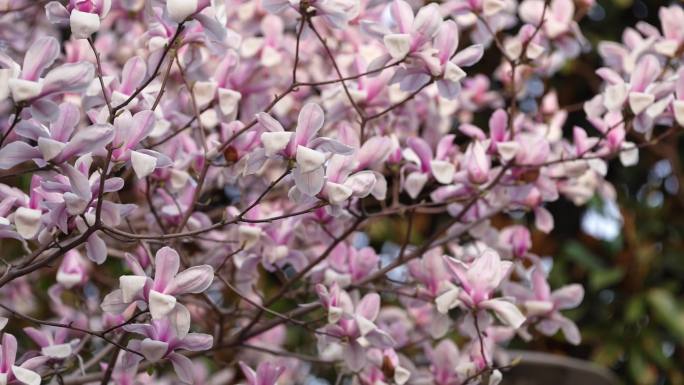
159	294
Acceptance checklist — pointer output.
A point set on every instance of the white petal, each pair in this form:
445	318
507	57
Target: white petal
251	46
639	101
83	24
270	57
614	96
248	235
365	326
179	178
495	378
337	193
57	351
447	300
492	7
75	204
3	322
25	376
27	221
443	171
453	73
513	47
68	280
143	164
309	183
180	9
537	308
361	183
161	304
629	154
50	148
507	150
678	107
534	50
153	350
334	314
275	142
398	45
204	92
228	100
667	47
22	90
401	375
414	183
506	311
308	159
130	286
657	108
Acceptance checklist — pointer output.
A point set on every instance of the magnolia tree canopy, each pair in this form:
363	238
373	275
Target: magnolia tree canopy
188	185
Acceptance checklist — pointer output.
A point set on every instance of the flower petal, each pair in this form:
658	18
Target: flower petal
193	280
160	304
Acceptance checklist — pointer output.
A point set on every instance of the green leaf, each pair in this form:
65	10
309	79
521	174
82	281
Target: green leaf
635	309
579	254
640	369
667	312
600	279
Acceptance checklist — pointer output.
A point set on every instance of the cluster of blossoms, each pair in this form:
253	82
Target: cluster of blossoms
170	165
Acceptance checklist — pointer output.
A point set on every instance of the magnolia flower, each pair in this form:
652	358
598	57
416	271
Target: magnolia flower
17	374
517	239
671	19
159	293
341	183
180	10
269	49
476	162
163	337
53	341
83	16
641	94
129	131
487	8
28	217
24	83
678	102
118	90
354	323
57	143
221	88
431	271
75	194
476	285
408	34
309	153
447	64
267	373
423	164
73	270
544	305
330	299
446	362
350	264
336	12
558	17
125	369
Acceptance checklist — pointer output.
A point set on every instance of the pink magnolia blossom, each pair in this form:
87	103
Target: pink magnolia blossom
159	293
10	372
476	285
